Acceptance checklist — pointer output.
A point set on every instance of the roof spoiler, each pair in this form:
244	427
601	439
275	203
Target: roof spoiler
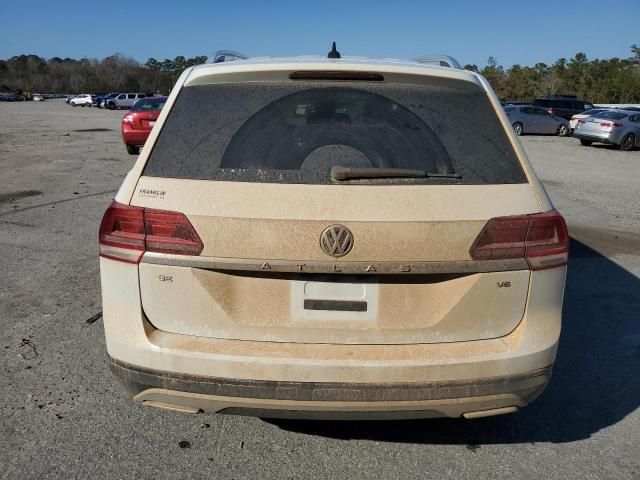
226	56
441	60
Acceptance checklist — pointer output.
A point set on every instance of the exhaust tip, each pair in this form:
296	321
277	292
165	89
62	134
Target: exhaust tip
489	413
171	406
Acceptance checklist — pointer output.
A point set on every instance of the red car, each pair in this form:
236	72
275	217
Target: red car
138	122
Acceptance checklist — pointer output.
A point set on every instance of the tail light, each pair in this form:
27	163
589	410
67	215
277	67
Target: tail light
542	239
581	122
552	111
126	232
611	124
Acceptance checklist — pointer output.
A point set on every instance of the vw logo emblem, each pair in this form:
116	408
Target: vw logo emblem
336	241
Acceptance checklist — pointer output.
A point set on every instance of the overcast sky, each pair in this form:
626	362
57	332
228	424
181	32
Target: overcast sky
524	32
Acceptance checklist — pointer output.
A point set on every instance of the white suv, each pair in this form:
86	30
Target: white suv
343	238
83	100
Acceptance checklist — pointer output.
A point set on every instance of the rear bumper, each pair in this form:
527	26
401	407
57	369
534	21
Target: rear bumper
335	380
134	137
607	138
285	399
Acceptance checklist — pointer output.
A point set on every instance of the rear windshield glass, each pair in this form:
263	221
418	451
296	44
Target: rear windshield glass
149	104
612	115
294	132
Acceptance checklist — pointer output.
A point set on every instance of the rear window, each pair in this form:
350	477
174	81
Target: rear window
149	104
294	132
612	115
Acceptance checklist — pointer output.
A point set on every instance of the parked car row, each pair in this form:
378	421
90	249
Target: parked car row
23	96
137	123
112	101
10	97
545	115
564	116
118	100
561	106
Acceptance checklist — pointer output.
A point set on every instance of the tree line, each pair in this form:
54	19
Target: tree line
31	73
614	80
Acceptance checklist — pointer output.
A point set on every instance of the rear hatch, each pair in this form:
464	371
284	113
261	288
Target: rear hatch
292	253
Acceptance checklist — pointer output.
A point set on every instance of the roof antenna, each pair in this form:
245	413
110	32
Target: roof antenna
333	53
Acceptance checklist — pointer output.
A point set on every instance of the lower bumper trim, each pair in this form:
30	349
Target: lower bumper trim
527	386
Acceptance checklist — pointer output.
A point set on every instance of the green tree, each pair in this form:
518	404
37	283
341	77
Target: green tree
495	74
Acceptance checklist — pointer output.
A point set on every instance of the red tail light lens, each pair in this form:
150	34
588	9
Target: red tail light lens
127	232
541	238
610	124
170	232
121	235
552	111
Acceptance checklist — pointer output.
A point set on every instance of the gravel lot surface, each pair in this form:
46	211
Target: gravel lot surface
63	416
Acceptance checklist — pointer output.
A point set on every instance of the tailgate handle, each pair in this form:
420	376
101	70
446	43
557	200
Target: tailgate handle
339	305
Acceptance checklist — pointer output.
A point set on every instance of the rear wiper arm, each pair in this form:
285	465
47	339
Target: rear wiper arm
339	173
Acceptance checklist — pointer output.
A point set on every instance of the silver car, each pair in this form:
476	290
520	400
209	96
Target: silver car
528	119
620	128
124	100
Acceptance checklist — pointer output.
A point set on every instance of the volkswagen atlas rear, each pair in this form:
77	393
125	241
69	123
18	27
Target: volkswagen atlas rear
346	239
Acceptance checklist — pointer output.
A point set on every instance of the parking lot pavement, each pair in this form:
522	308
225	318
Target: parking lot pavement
63	416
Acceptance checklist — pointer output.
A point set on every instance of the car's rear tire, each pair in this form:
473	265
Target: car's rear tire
517	128
585	143
132	149
628	142
73	105
564	130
